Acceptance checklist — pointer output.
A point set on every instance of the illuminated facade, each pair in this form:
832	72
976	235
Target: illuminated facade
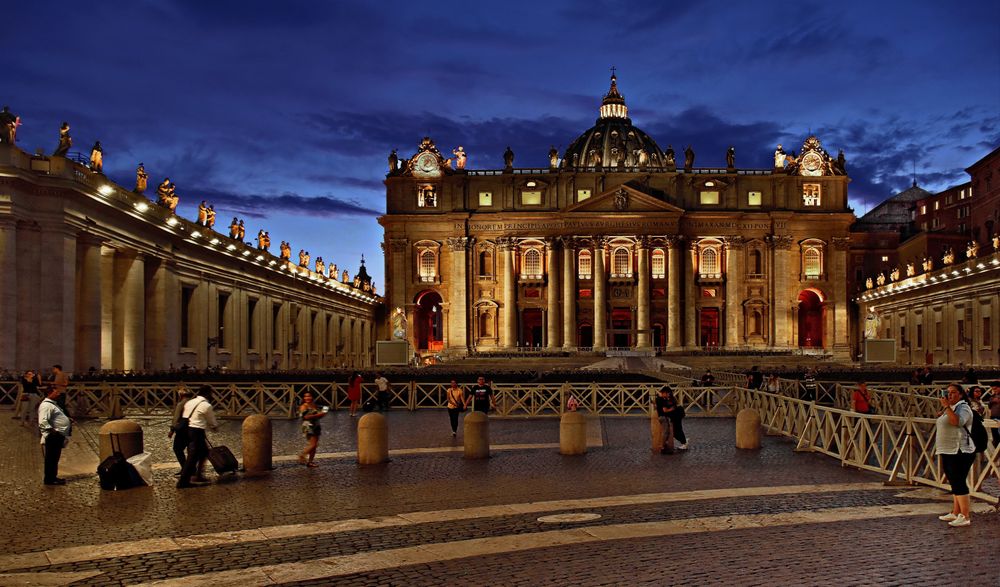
618	245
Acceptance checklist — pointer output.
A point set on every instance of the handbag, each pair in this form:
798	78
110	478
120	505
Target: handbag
184	422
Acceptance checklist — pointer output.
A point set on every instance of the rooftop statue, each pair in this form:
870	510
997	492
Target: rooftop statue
320	266
508	158
972	249
841	165
242	230
996	242
880	279
346	278
641	157
97	157
303	260
460	157
393	162
779	158
949	256
333	271
210	217
894	276
203	213
65	141
8	126
928	264
869	283
286	250
688	158
731	158
267	240
553	157
260	240
234	228
166	195
910	269
671	160
141	179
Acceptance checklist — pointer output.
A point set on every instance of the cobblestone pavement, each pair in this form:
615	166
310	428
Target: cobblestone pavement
772	516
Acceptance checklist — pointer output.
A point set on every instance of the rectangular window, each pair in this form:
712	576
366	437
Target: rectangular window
251	324
810	194
659	264
961	334
223	306
709	197
532	198
938	335
582	195
275	326
902	336
987	337
187	309
923	209
920	336
754	198
426	197
937	205
485	199
885	258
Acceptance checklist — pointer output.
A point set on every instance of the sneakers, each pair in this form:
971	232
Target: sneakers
960	520
947	517
682	446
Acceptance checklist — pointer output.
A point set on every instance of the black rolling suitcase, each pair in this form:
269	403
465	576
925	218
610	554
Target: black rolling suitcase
222	459
370	405
114	472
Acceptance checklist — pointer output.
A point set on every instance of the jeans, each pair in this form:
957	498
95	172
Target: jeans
678	425
53	450
29	409
197	451
383	401
180	445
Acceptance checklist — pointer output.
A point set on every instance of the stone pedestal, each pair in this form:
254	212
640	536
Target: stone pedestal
748	428
257	446
572	434
476	434
127	439
655	432
373	439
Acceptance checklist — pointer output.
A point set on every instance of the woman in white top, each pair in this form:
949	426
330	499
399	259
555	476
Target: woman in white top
456	405
953	441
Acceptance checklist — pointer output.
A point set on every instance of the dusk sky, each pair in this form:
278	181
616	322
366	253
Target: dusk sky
283	113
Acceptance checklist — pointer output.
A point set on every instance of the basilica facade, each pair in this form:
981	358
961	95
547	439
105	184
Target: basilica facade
617	244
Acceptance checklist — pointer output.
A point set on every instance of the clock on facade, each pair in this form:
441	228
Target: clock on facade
426	165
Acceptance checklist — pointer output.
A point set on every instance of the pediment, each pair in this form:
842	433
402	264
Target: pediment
623	199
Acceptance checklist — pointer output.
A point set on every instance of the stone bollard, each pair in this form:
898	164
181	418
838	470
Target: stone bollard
573	434
655	432
257	447
127	438
748	428
373	439
476	434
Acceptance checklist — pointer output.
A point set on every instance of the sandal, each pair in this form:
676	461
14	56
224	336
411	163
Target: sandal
312	465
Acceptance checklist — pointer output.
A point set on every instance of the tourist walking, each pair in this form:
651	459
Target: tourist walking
200	416
755	378
862	399
676	416
482	396
953	441
177	432
56	429
664	407
456	405
310	414
354	392
30	397
382	392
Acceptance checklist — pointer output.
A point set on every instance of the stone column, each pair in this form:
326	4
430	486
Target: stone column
600	296
642	299
734	295
674	312
509	337
458	292
57	316
781	246
107	307
569	292
130	312
88	311
837	277
8	293
691	297
552	293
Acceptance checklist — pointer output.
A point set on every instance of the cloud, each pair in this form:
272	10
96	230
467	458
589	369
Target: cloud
262	206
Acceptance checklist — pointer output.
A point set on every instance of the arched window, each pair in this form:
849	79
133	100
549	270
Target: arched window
428	266
756	264
532	264
812	262
659	264
709	261
585	263
621	263
486	264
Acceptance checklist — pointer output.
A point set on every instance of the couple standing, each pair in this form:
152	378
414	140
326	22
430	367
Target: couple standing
480	396
671	416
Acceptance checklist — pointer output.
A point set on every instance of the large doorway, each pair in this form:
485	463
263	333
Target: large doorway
586	335
621	327
658	335
708	322
429	327
810	319
531	327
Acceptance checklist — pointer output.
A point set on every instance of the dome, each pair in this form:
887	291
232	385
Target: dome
613	141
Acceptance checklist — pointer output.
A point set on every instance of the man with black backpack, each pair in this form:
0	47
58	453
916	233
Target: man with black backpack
197	416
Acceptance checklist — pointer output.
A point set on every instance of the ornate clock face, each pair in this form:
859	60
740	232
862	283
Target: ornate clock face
426	165
812	165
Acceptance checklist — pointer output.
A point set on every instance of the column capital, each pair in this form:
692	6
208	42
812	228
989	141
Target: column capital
568	242
780	242
459	243
551	243
599	242
505	243
841	243
673	241
398	245
641	241
731	242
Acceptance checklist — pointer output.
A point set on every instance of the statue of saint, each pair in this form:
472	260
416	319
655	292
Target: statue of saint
779	158
460	157
333	271
688	158
949	256
671	160
203	213
641	157
731	158
872	322
97	157
576	159
508	158
241	230
841	162
267	240
234	228
166	194
869	283
972	250
286	250
320	266
894	275
996	242
393	162
880	279
65	141
8	126
303	260
260	240
141	179
595	157
346	278
928	264
910	269
210	217
553	157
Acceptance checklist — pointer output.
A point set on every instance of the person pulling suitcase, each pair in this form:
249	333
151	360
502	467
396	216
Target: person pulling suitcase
196	417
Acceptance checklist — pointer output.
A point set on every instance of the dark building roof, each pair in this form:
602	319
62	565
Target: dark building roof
893	213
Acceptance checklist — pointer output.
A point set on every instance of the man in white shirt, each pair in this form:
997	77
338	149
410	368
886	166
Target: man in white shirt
200	416
383	392
56	428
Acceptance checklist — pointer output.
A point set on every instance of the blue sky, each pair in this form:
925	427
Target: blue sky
283	113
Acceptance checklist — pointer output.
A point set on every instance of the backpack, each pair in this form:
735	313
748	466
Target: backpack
978	432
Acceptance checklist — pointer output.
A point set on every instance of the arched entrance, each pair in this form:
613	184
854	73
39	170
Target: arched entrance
810	319
531	327
428	323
